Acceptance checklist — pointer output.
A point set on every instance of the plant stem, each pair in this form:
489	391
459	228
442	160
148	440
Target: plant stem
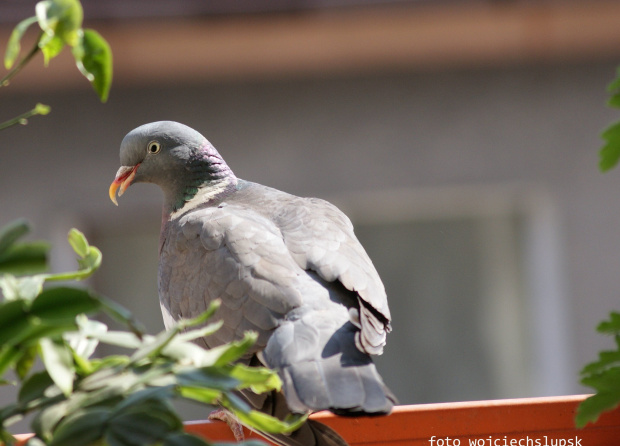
11	74
39	109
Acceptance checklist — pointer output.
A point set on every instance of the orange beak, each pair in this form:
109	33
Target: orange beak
122	181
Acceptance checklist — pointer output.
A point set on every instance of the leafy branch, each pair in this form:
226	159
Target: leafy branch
60	23
39	109
609	155
118	399
603	375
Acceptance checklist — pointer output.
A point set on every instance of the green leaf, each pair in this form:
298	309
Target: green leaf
153	345
61	18
89	258
61	305
184	439
27	360
26	288
614	101
90	263
609	155
208	377
615	84
606	360
156	374
182	350
143	424
12	232
78	242
51	46
25	258
612	133
9	355
109	377
6	437
188	353
604	381
145	397
47	419
208	313
612	326
14	323
84	341
93	58
201	394
260	420
122	315
120	339
58	362
603	375
13	46
109	362
235	350
198	333
591	408
259	379
81	428
35	387
7	413
217	356
21	258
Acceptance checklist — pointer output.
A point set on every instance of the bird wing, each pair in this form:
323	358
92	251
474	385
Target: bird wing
320	237
233	253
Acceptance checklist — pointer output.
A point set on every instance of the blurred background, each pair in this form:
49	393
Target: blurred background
461	138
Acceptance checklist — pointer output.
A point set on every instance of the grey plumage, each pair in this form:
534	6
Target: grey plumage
289	268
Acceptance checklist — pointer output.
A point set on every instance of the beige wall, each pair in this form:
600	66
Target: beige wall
490	129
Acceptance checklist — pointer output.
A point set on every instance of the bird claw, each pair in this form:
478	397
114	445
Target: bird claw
230	419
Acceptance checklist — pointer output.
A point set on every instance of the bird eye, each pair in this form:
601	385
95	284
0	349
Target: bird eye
153	147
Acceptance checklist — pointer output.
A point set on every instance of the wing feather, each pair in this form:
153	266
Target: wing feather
234	254
321	238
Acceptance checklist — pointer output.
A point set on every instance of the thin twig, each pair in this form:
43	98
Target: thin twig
11	74
39	109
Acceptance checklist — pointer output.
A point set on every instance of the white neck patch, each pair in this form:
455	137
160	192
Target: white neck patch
205	193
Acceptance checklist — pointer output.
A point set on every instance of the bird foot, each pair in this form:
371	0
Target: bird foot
230	419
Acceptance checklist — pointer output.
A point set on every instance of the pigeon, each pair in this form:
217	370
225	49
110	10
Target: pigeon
288	268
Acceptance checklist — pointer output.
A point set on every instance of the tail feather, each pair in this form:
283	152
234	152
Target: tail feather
322	368
325	384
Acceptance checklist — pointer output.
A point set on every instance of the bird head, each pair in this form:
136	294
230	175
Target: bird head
172	155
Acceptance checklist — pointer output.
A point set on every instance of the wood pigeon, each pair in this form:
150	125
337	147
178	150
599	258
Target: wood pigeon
286	267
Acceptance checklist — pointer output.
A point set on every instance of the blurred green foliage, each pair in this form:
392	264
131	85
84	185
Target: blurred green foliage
603	375
609	155
60	24
117	400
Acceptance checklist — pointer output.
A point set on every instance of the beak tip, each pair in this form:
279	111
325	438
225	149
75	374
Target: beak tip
124	178
112	193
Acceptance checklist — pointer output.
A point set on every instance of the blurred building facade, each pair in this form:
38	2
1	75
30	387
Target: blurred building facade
460	137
